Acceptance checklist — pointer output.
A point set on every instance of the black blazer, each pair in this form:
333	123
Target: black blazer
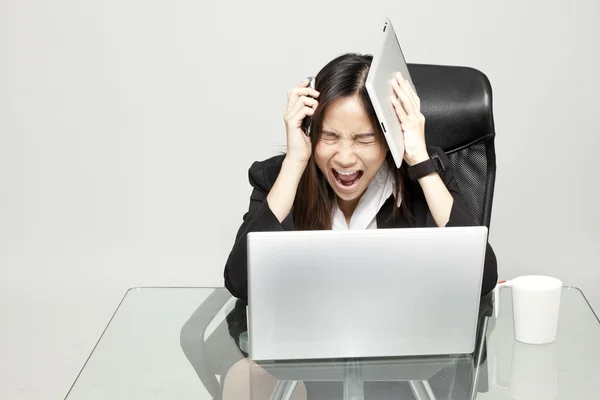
260	218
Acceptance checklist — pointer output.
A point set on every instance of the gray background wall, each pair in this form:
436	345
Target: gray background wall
119	120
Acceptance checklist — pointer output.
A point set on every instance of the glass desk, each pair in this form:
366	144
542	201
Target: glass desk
188	343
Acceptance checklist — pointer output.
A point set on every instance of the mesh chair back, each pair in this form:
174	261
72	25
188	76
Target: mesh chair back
457	105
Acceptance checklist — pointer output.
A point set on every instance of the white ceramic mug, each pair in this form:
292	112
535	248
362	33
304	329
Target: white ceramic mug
536	303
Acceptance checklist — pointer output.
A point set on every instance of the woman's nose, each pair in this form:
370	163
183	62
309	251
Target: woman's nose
345	156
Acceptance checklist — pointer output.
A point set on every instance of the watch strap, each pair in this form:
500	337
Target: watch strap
433	164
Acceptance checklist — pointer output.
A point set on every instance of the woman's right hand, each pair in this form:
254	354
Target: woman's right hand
301	103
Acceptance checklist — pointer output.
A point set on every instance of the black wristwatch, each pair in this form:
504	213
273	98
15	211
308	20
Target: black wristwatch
418	171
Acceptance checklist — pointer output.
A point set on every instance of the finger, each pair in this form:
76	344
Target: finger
403	97
302	84
406	88
302	113
305	101
407	100
400	112
297	92
405	84
414	95
307	91
416	101
302	101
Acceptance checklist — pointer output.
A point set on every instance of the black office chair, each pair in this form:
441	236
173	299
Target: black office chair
457	105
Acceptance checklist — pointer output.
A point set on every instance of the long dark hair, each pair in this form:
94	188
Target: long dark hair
344	76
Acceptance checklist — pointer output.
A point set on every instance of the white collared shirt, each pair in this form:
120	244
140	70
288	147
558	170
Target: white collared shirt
365	215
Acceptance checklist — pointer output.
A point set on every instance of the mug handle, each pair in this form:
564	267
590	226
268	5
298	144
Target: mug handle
499	286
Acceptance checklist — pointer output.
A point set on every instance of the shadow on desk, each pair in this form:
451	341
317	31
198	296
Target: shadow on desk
212	354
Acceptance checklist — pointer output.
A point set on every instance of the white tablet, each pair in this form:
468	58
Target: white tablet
386	62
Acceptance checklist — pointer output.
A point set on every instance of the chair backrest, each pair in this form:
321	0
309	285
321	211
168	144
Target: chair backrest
457	105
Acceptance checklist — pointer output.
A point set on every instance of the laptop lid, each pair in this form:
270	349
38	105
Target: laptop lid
367	293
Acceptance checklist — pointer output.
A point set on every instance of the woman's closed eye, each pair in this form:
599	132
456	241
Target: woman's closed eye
361	139
329	137
365	139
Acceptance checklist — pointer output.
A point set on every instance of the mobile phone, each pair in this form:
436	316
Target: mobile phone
306	121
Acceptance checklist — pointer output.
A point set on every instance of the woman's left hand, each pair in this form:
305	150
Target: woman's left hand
408	109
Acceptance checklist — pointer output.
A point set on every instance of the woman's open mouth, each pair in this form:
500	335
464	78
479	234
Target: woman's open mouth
346	179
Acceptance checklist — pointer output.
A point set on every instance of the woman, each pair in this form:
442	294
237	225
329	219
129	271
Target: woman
342	176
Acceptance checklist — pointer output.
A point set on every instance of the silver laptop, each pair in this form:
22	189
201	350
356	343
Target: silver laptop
367	293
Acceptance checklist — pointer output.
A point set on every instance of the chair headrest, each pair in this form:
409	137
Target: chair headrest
456	102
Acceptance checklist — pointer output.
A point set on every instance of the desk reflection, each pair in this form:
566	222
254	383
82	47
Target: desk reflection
419	378
224	354
522	371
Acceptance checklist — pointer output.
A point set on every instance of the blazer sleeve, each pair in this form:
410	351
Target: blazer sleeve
460	215
259	218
